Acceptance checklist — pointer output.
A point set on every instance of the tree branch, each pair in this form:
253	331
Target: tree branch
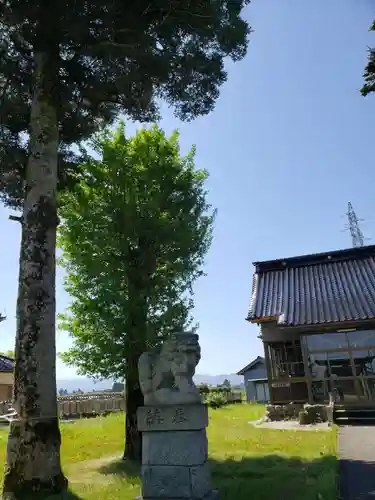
16	218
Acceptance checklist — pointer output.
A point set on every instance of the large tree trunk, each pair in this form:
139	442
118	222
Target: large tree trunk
134	396
33	452
133	438
142	263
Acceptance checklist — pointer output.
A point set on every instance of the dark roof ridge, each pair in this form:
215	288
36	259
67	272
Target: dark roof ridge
354	253
6	357
6	364
258	359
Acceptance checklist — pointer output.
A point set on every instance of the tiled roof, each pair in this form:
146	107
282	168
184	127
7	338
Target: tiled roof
6	364
321	288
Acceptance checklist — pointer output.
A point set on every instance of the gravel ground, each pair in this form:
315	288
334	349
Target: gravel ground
290	425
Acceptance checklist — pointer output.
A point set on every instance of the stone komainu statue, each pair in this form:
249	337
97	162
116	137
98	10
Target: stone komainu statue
166	374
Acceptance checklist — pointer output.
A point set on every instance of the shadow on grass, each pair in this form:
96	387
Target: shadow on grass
276	478
122	468
67	495
357	479
272	477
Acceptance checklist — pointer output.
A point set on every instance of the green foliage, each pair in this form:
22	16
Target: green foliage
226	384
134	236
222	390
203	389
216	399
118	387
104	58
369	74
8	354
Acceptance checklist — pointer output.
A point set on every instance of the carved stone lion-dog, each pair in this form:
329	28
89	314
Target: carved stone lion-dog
166	374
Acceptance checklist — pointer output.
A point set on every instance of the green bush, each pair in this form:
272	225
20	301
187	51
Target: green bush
203	389
216	400
223	390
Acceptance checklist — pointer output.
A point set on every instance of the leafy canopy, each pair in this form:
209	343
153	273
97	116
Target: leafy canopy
8	354
107	58
369	74
137	227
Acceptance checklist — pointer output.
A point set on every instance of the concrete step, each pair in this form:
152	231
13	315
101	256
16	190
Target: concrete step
354	416
355	423
359	417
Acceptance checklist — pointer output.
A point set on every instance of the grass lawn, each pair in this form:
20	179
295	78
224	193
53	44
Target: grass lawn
247	463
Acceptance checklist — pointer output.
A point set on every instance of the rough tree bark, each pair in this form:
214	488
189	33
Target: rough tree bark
137	323
134	399
142	265
33	451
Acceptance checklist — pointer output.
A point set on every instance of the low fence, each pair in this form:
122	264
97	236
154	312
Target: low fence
93	405
235	397
91	395
90	407
82	406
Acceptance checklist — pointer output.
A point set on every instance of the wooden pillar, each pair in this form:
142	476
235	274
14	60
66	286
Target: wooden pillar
269	371
356	382
308	375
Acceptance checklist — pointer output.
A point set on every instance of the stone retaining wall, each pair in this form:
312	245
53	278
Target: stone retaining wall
306	414
276	413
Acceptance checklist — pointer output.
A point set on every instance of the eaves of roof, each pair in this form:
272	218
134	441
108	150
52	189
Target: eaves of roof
316	291
6	364
251	365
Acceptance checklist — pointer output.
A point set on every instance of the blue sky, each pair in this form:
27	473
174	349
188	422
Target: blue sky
288	145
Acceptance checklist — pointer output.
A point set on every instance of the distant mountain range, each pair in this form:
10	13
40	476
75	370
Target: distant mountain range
88	385
218	379
84	384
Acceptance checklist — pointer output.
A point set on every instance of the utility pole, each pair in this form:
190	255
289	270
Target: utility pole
353	227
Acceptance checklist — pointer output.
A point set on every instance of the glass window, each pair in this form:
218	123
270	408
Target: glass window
364	362
328	364
339	364
361	338
326	341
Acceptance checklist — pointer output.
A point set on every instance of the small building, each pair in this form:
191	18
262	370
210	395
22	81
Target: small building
6	378
256	381
316	315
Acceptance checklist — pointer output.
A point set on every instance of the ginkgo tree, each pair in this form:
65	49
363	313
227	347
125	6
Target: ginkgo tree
134	235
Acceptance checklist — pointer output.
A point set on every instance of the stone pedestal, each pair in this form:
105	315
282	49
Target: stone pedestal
175	452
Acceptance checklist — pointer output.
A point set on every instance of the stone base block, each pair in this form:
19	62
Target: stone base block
200	478
175	453
165	482
174	448
173	482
